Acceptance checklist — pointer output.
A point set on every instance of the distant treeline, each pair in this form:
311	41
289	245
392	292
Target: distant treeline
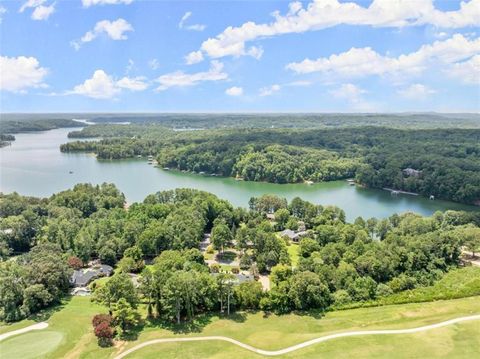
16	126
299	120
447	160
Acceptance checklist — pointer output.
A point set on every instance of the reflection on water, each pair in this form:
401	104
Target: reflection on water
33	165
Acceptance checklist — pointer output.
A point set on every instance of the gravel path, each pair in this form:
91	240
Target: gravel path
38	326
304	344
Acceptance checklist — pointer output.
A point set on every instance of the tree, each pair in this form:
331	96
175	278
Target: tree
124	314
307	291
75	262
225	283
382	228
280	273
117	287
221	236
307	246
248	295
472	239
371	225
282	216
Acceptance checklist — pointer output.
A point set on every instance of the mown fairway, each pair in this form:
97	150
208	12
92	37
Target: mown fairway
70	335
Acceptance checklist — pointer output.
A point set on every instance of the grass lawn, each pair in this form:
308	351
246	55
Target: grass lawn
458	341
293	253
69	329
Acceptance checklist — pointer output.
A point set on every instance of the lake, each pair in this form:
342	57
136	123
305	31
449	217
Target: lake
33	165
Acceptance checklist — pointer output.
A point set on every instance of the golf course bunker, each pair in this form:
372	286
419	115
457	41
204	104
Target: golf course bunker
30	345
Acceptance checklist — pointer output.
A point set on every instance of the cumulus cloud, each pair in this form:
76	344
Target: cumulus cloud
467	72
269	90
17	74
194	57
40	12
113	29
182	79
133	83
321	14
43	12
88	3
416	92
358	62
234	91
103	86
194	27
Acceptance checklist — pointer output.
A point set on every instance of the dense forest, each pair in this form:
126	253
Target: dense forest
43	240
444	163
26	124
291	120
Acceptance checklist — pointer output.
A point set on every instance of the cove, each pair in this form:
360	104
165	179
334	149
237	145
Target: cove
33	165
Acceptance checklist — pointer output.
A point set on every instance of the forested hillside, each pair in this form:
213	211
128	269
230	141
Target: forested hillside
445	162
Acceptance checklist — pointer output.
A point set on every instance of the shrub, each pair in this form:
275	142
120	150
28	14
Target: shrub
210	249
235	270
75	262
383	290
341	297
214	268
101	318
104	333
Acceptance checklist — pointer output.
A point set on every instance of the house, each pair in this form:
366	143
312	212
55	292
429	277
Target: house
239	278
410	172
82	277
293	235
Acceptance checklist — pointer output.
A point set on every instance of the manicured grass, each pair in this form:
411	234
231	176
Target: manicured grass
31	345
69	329
458	341
272	333
293	253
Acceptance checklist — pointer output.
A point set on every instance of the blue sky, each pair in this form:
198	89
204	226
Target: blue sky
234	56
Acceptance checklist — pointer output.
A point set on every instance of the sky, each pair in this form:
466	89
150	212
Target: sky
239	56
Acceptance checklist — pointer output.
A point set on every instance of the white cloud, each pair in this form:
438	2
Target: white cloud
182	79
40	11
194	57
348	91
2	12
467	72
133	83
194	27
113	29
17	74
416	92
358	62
43	12
30	4
88	3
103	86
321	14
354	97
299	83
234	91
269	90
154	64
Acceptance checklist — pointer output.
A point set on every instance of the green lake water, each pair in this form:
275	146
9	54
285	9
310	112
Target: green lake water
33	165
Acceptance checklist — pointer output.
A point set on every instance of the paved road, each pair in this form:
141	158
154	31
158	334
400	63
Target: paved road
304	344
38	326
